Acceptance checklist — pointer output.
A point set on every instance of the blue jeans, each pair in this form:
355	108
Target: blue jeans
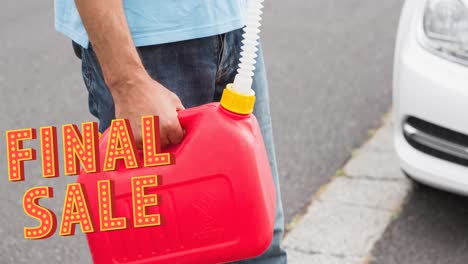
197	71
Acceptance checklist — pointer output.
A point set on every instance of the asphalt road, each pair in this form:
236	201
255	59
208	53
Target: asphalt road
432	228
329	65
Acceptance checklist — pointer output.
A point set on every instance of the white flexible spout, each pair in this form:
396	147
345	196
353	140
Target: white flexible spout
245	73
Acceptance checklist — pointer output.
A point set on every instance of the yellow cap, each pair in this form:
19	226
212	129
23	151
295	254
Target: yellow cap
236	102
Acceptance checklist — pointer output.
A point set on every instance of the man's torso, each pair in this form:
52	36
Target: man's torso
160	21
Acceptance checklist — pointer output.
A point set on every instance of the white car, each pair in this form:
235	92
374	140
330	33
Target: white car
430	93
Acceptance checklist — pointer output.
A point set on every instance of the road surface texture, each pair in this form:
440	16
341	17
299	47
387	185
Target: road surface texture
432	228
329	64
351	212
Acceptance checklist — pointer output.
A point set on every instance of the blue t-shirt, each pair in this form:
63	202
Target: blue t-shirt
160	21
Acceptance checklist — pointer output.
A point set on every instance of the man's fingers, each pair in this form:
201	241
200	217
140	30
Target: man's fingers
180	107
164	140
175	132
178	104
171	131
138	141
136	129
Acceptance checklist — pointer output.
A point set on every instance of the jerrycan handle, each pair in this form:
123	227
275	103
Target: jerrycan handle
187	119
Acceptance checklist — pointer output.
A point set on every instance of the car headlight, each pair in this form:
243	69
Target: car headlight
445	26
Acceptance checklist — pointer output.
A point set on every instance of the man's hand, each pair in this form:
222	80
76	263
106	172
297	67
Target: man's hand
134	92
143	96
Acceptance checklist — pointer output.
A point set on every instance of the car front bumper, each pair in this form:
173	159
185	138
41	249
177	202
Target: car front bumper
430	88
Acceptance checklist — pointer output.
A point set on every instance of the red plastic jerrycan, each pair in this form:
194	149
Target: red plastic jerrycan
216	203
